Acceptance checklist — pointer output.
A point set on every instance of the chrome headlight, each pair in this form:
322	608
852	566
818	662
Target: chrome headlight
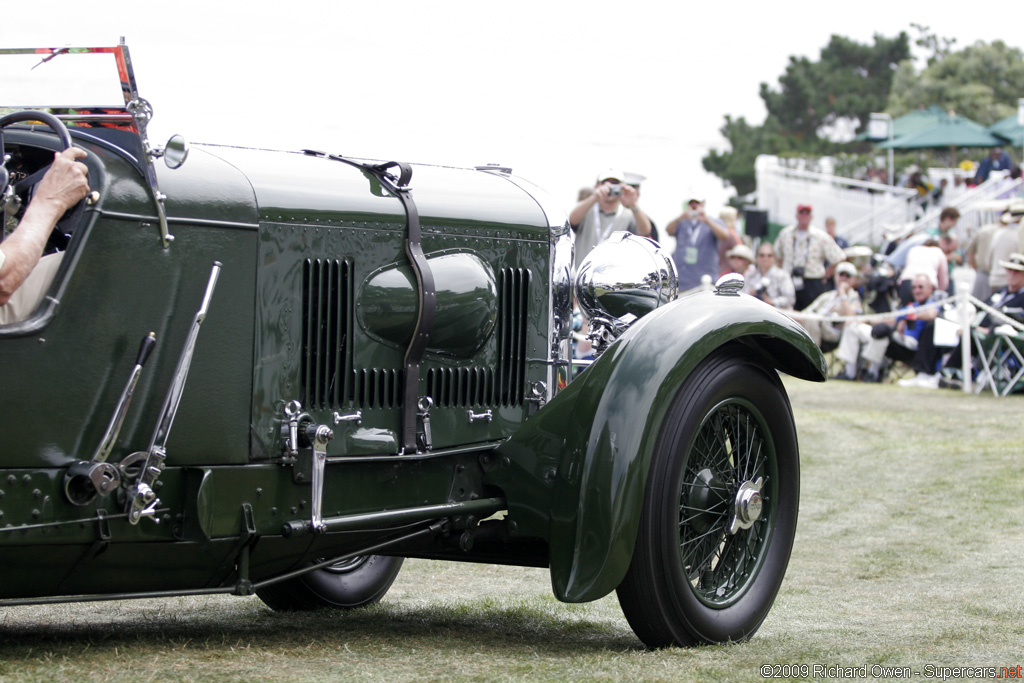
624	278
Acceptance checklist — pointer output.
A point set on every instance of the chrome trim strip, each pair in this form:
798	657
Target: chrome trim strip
117	215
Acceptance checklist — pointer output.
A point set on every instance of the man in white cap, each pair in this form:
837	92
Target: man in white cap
844	300
634	180
1009	300
611	207
740	259
767	281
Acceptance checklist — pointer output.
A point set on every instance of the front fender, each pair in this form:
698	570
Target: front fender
616	413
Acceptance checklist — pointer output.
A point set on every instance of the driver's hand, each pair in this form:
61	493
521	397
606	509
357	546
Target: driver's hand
66	182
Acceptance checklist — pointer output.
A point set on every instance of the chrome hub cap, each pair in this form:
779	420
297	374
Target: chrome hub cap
746	505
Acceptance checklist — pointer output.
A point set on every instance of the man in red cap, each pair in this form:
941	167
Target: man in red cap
803	250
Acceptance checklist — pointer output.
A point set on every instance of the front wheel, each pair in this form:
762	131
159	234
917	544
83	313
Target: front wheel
719	513
352	583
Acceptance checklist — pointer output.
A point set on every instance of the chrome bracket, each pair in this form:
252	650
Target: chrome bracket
538	393
142	500
319	436
604	331
423	406
292	411
142	111
356	417
486	416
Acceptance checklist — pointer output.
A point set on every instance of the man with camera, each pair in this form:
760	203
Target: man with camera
611	207
697	238
818	317
767	281
803	251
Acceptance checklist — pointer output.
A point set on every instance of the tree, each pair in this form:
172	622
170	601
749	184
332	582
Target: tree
940	47
849	81
736	166
813	99
981	82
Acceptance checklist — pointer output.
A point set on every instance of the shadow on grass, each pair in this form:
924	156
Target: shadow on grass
559	630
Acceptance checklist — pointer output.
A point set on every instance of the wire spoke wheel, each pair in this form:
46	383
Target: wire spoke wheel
725	504
719	513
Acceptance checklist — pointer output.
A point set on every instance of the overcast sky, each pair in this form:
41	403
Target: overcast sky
557	90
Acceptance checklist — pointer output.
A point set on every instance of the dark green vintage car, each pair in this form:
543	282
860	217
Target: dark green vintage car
282	373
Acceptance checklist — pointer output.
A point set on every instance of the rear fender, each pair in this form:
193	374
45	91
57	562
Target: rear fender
617	415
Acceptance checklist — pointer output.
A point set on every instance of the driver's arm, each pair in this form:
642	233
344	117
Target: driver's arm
63	185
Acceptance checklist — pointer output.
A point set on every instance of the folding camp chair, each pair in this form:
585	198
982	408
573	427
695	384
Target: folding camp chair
985	346
1004	361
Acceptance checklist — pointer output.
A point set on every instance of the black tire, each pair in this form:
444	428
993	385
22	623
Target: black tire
354	583
691	579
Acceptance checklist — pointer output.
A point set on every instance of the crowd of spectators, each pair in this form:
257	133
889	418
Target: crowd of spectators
806	272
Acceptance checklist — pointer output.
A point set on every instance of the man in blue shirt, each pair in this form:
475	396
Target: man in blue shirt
997	160
871	342
697	237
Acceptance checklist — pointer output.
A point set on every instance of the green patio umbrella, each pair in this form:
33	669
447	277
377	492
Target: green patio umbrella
949	131
913	121
1009	129
917	120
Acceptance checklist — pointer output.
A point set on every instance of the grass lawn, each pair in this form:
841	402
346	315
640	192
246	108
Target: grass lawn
908	554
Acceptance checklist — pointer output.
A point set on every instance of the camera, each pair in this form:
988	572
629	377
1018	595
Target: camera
798	271
615	191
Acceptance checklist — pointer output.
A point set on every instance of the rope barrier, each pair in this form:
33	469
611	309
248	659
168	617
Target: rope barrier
955	300
868	317
958	310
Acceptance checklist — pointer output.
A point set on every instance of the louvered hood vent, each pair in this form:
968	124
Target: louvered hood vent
326	334
330	382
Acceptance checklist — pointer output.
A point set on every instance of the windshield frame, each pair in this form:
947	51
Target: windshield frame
120	114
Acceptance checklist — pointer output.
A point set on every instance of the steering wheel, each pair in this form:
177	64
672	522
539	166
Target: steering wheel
51	121
61	235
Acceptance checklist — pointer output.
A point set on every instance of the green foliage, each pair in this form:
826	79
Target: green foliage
849	81
981	82
747	141
939	47
816	102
